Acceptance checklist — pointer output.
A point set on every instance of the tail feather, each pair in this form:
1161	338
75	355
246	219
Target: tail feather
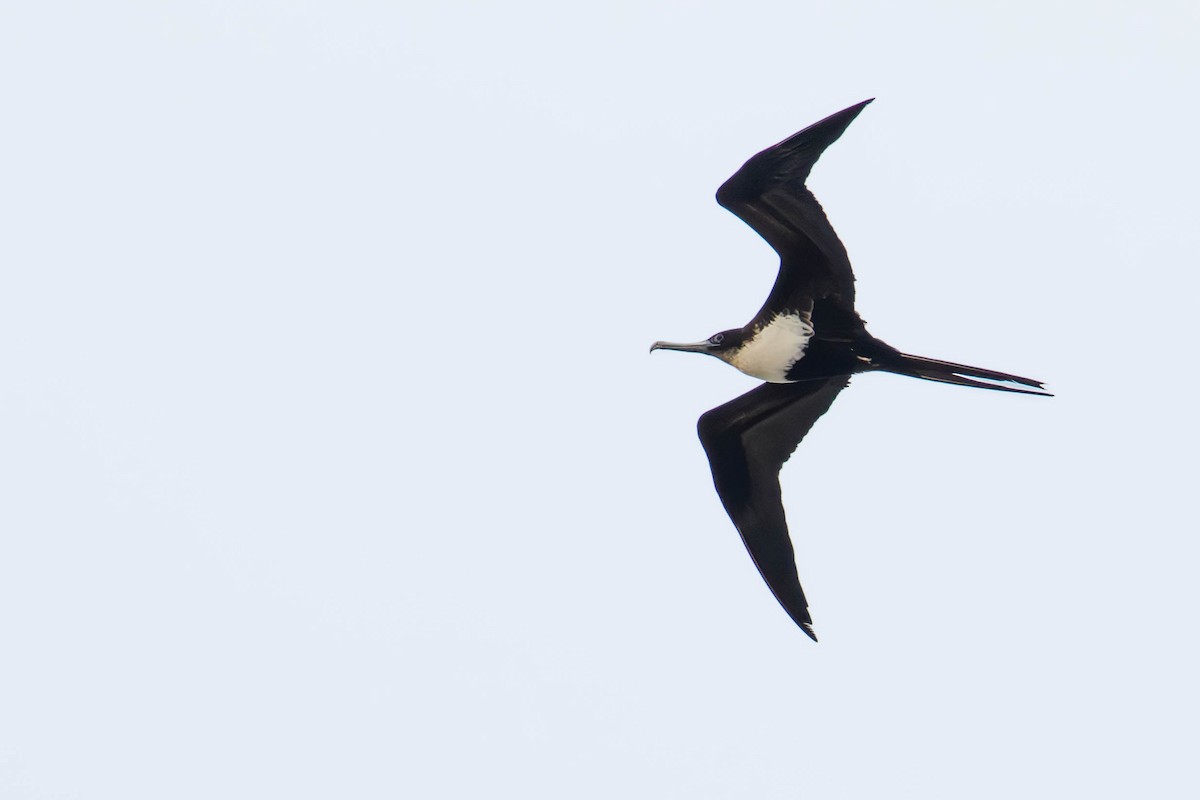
931	369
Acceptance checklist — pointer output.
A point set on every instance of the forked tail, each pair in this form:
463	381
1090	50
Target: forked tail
960	374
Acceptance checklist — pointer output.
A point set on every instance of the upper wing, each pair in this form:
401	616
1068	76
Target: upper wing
747	440
769	195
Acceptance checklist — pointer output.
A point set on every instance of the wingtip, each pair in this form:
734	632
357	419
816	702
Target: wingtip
808	628
850	112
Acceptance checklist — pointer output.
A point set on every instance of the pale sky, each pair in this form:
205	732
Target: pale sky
333	464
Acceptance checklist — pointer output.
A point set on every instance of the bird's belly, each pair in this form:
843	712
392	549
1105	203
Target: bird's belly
774	348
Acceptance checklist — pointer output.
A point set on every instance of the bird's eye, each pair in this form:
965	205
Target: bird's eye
717	338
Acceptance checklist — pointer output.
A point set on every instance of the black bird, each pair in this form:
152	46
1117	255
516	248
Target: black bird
806	341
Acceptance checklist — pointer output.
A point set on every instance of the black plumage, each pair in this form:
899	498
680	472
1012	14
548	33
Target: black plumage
806	341
747	441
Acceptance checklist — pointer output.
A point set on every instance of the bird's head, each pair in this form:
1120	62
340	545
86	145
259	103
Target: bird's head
722	345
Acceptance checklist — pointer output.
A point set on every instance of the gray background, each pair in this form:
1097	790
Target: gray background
332	462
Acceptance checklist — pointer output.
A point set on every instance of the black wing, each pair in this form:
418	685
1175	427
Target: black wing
747	440
769	195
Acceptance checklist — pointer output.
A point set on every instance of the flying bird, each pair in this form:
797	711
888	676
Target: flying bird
805	343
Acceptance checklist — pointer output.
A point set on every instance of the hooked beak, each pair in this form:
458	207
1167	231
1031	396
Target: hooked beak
697	347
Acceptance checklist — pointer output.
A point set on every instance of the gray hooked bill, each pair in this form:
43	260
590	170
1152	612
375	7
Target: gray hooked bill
695	347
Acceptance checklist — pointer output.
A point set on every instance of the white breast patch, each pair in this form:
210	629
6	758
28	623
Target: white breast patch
774	348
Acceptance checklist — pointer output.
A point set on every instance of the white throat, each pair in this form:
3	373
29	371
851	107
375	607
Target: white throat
774	348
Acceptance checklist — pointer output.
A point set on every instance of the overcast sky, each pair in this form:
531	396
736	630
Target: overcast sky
333	464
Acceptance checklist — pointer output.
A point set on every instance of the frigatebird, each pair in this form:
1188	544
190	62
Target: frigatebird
805	342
